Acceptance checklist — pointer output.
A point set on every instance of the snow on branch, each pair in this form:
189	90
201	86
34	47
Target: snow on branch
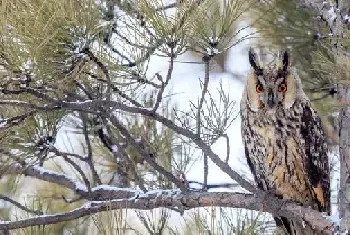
49	176
182	201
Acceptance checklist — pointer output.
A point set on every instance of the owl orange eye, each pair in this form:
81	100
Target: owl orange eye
259	88
282	87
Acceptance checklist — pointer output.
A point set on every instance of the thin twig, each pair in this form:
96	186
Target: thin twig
227	147
114	30
15	121
48	176
146	155
198	118
171	5
109	82
90	106
79	170
104	70
19	205
59	153
89	158
115	50
125	156
138	179
167	79
72	200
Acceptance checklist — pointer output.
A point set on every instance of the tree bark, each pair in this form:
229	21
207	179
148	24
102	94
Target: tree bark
344	142
344	152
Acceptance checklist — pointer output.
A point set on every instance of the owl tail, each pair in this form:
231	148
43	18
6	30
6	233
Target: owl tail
291	227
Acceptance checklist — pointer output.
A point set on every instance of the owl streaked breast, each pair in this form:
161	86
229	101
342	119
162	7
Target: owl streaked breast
285	144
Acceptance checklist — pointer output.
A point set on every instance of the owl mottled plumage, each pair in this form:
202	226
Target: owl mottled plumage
285	144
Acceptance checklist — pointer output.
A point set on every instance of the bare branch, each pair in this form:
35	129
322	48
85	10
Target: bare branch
198	118
19	103
13	121
72	200
59	153
79	170
32	91
227	147
171	5
19	205
89	158
109	81
167	79
47	175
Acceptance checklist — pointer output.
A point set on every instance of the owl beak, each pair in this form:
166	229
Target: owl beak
270	99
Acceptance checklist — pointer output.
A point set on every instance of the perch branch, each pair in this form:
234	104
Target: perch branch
187	201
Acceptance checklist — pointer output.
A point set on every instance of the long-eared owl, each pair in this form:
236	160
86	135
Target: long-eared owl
285	144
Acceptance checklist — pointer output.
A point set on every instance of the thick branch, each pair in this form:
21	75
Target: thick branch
183	201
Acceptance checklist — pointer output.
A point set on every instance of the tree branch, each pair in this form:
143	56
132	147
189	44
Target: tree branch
145	154
95	104
166	198
167	80
59	153
13	121
46	175
79	170
19	205
198	118
89	158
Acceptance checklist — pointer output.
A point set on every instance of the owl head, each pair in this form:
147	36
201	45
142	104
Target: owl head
271	87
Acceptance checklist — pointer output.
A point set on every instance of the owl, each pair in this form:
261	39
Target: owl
285	145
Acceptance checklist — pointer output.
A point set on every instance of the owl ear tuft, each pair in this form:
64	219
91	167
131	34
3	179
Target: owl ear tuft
253	59
285	60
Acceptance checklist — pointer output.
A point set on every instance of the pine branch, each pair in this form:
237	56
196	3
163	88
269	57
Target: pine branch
174	199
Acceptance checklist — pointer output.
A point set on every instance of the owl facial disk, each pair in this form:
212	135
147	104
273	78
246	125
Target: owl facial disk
271	85
271	95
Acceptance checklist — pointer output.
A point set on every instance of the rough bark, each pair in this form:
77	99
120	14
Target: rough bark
344	144
181	201
344	150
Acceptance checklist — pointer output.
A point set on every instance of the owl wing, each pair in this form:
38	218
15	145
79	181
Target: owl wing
260	179
316	165
250	140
